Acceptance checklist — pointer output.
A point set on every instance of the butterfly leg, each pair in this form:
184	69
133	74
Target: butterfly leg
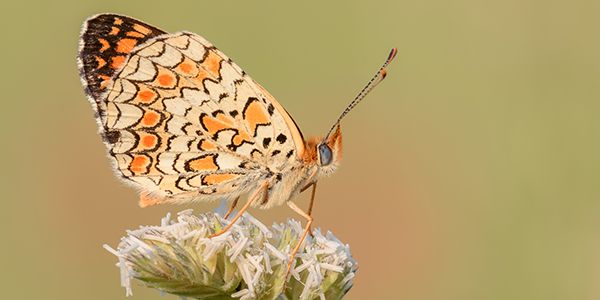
309	221
312	199
232	207
251	199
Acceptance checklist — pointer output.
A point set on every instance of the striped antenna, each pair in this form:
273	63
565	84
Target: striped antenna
377	78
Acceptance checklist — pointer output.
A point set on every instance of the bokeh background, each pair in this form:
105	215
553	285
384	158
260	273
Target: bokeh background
472	172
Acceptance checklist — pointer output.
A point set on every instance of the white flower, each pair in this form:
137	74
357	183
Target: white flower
247	262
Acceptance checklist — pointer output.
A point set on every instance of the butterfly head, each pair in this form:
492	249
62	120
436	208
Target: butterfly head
329	152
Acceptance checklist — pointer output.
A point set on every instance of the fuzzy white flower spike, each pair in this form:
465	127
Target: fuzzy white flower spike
249	262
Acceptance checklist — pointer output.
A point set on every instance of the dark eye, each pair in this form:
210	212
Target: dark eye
325	154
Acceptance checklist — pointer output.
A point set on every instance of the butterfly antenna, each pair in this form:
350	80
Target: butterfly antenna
377	78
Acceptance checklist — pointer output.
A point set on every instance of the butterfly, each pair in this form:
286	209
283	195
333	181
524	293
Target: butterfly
182	122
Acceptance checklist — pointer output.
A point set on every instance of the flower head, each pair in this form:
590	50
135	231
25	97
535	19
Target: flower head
247	262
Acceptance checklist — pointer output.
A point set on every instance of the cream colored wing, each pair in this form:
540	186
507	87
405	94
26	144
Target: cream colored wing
183	122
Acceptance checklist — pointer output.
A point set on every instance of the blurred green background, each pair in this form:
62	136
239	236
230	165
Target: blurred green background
472	172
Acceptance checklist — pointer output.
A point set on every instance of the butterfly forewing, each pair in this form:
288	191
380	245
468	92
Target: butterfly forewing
184	122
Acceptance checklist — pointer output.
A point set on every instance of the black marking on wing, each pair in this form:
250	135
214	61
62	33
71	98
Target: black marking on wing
266	142
178	183
289	154
217	112
281	138
111	137
100	27
270	109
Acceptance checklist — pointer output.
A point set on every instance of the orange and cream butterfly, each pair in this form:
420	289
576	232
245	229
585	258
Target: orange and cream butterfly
182	122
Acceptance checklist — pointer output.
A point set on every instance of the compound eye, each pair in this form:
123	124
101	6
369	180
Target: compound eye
325	154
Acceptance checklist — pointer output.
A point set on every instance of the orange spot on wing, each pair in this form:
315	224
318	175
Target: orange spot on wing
205	163
148	141
126	45
118	21
166	79
114	30
218	178
150	118
135	34
186	67
101	62
139	164
213	125
207	145
142	29
198	80
225	119
255	114
105	44
146	95
212	64
117	61
239	138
